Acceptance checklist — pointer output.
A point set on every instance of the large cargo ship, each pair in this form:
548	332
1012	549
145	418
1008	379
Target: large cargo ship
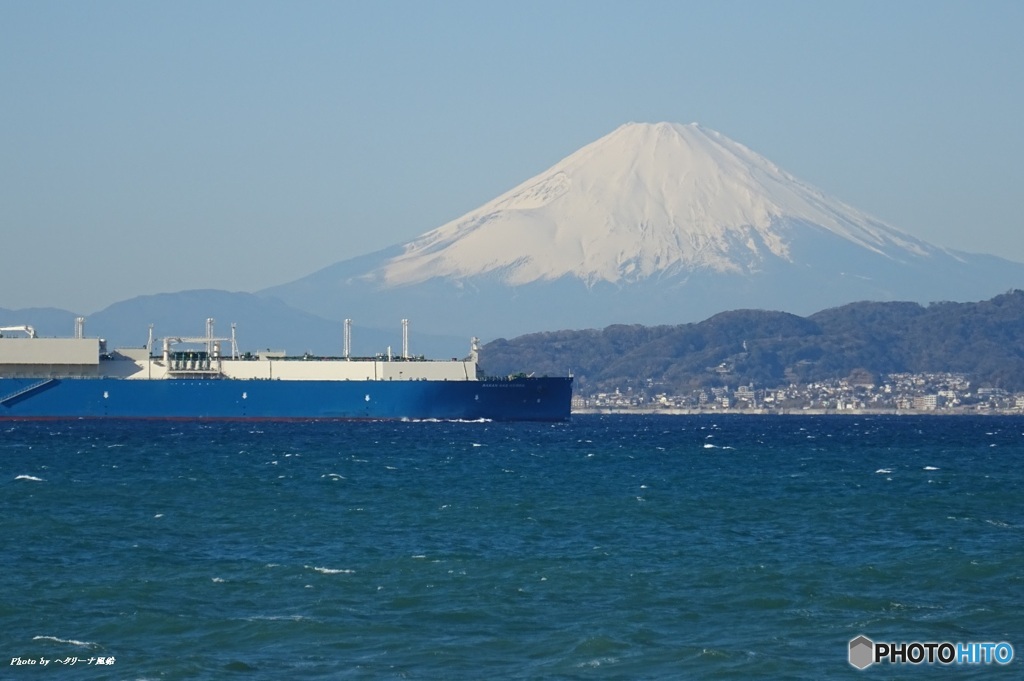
205	378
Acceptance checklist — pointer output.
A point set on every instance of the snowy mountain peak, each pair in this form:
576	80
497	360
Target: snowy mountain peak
645	200
654	223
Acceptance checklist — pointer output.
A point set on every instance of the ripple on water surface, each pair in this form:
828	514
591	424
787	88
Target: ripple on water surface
619	547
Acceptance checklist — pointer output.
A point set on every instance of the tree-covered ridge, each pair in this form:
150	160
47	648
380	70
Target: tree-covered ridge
984	340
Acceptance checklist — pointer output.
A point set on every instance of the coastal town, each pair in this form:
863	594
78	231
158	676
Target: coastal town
934	393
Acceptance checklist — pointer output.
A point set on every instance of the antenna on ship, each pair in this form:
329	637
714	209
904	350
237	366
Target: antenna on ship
405	339
234	342
149	343
79	327
346	338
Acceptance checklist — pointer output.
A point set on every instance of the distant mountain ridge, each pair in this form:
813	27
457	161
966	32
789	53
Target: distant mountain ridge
653	224
766	348
984	340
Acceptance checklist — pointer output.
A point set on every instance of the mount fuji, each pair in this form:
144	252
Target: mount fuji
654	224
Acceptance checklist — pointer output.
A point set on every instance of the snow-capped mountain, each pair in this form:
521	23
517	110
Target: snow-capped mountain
639	202
653	223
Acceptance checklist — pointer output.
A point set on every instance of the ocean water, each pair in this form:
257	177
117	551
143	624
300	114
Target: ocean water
610	547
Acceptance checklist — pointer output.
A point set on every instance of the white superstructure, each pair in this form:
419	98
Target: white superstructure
201	357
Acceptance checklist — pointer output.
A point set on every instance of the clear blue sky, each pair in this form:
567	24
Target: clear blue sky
151	147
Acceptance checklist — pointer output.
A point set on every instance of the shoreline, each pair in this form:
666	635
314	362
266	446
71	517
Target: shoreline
680	411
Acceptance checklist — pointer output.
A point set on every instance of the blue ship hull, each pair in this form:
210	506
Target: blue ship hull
516	399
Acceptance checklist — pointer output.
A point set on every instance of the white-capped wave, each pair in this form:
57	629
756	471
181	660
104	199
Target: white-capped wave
435	420
332	571
930	468
884	470
597	662
29	477
69	641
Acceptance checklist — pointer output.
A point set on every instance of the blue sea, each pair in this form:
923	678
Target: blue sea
609	547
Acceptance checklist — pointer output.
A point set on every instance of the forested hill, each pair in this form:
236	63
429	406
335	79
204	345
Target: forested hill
983	340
